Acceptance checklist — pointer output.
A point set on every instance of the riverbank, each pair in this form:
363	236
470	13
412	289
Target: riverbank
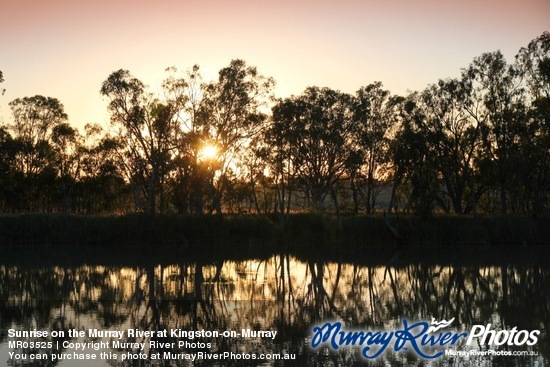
302	231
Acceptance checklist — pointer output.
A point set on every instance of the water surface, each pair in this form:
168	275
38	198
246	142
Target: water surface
282	292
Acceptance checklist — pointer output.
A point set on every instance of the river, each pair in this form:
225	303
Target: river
267	306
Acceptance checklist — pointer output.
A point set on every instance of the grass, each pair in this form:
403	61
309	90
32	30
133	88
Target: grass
231	233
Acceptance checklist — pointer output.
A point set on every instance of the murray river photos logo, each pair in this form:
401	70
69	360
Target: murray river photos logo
425	339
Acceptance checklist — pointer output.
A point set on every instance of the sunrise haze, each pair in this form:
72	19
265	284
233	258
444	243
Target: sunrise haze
66	49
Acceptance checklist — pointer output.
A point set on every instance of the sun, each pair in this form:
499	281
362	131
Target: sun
209	152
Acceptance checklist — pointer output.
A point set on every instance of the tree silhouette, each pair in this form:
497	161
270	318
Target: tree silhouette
373	122
35	119
478	143
1	80
497	87
454	136
231	113
534	63
322	137
147	130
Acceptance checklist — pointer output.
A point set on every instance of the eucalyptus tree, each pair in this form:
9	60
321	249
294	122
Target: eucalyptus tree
146	127
258	183
497	107
534	63
413	158
191	171
278	150
34	119
233	110
34	122
1	80
101	187
396	170
454	137
66	143
9	193
372	113
318	127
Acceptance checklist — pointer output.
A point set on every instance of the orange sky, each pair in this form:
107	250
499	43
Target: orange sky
66	48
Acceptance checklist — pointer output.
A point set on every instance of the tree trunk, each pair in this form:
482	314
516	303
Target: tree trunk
336	207
151	193
354	195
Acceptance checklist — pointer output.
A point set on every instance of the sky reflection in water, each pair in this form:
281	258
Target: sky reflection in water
281	293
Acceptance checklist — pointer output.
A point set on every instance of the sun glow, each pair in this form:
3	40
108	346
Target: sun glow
209	152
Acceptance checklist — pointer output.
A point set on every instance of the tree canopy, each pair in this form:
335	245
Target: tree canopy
479	143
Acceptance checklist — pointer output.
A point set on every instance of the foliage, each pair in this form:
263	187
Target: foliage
475	145
318	126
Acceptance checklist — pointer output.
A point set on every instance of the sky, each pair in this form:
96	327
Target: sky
67	48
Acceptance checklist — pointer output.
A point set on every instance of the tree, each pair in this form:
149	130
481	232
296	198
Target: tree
192	174
319	127
534	63
1	80
278	149
9	191
147	127
497	107
231	113
35	117
35	120
413	158
66	143
454	137
101	187
373	121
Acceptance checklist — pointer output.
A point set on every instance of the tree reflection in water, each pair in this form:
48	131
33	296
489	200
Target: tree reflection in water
279	293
